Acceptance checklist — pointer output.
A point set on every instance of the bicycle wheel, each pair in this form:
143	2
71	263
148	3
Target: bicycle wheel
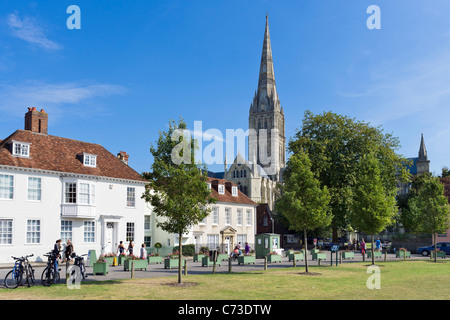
83	271
31	273
47	277
13	279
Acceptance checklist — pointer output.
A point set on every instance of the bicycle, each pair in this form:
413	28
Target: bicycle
14	278
79	261
51	274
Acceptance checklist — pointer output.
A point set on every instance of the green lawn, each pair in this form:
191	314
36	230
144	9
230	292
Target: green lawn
399	280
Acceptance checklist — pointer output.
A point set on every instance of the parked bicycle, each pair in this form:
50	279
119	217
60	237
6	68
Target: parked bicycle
14	278
51	275
79	261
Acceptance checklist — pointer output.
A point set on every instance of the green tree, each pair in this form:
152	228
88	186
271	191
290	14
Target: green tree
303	201
429	209
407	218
177	187
373	205
334	144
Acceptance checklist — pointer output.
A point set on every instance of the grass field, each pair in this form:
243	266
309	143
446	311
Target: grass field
402	280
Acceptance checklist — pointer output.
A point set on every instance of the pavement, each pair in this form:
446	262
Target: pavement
158	270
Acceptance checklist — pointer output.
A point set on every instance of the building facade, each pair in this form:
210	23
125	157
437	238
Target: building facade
57	188
232	221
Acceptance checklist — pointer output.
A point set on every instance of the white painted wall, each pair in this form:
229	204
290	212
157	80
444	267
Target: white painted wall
110	206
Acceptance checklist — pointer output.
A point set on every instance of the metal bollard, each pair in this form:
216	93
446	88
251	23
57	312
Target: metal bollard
132	270
265	263
185	267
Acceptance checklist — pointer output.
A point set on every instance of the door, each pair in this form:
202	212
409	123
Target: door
109	234
227	245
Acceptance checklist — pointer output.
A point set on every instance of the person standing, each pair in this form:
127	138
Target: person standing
363	247
247	249
378	244
68	250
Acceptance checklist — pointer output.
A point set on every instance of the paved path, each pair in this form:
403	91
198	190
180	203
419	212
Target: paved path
157	270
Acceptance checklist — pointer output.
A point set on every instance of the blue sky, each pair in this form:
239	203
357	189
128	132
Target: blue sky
134	65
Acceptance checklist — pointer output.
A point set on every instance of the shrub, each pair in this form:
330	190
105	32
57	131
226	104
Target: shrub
188	249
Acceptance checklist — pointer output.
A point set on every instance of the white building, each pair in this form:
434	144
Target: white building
57	188
231	221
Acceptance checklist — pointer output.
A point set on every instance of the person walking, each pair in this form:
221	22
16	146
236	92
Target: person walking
247	249
121	249
130	248
143	254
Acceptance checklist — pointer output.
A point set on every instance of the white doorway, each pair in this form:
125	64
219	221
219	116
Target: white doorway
109	237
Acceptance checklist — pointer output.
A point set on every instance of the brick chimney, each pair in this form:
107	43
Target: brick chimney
36	121
123	156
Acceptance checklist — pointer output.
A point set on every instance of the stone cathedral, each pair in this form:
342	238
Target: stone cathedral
259	175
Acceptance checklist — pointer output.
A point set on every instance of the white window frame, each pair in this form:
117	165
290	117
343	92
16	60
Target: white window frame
212	241
221	189
215	216
7	189
33	233
249	217
90	160
234	191
240	217
66	229
89	231
34	190
228	219
6	231
81	193
130	231
21	149
131	197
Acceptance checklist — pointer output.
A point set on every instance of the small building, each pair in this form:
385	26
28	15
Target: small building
58	188
267	242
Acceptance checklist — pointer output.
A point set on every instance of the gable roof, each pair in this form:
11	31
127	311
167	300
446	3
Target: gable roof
228	197
54	153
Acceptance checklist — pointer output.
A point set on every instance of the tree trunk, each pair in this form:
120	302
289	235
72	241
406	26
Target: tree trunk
435	248
179	256
373	251
306	250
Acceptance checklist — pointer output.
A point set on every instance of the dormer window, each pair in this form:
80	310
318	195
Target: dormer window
21	149
209	186
234	191
221	189
90	160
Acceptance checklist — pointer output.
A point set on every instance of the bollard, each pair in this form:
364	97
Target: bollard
364	256
132	270
265	263
185	267
385	255
331	258
318	261
294	263
340	257
229	265
67	270
214	263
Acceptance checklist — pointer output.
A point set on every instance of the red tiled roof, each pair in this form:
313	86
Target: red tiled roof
228	196
60	154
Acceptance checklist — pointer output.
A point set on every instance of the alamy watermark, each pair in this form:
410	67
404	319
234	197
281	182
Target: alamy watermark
263	144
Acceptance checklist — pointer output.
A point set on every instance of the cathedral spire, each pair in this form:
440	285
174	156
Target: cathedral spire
267	97
422	150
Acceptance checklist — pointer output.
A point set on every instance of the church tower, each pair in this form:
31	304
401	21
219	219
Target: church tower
267	141
423	164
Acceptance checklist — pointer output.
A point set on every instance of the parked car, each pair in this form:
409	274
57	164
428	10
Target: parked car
443	246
